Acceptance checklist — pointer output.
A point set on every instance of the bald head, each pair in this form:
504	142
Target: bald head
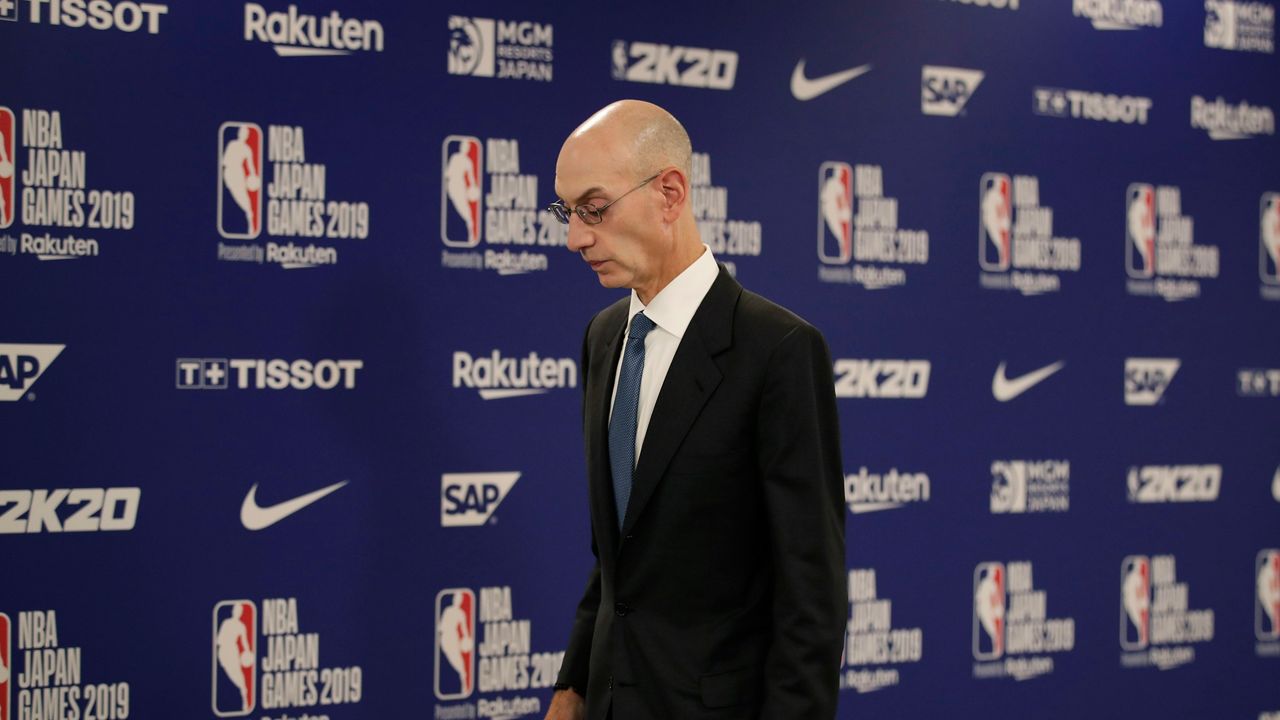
641	137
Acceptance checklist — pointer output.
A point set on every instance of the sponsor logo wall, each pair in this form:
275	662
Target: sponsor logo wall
356	489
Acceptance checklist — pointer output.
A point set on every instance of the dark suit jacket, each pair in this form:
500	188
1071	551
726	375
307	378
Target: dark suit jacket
724	594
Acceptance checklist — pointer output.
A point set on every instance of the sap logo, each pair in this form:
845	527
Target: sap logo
891	379
22	365
945	90
1174	483
662	64
1146	379
98	14
469	499
33	511
295	35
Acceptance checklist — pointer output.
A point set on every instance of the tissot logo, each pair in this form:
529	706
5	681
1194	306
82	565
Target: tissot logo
890	379
1086	105
265	374
1120	14
125	16
945	90
1146	379
21	366
469	499
294	34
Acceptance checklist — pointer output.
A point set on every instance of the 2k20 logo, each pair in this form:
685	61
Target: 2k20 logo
893	379
21	366
469	499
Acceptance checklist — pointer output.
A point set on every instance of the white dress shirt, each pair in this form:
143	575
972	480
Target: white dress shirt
671	310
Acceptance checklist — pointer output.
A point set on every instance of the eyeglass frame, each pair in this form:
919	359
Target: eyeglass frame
586	210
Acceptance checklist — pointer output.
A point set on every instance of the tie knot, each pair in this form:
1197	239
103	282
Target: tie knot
640	326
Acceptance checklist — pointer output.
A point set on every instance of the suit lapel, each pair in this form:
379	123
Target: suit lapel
690	381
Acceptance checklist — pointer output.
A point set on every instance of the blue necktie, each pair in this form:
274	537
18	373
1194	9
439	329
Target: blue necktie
626	404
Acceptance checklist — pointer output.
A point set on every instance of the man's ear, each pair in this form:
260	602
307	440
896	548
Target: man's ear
674	186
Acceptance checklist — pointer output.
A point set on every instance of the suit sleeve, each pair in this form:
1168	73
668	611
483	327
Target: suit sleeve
799	454
574	671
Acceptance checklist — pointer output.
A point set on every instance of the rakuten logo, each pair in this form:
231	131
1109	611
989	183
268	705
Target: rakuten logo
496	377
890	379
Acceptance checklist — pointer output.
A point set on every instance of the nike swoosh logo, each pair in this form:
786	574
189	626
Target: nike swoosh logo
804	88
254	517
1005	389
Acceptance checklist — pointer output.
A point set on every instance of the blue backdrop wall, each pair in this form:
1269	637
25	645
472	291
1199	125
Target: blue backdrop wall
289	380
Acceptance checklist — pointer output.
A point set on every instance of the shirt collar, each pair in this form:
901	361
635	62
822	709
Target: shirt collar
672	309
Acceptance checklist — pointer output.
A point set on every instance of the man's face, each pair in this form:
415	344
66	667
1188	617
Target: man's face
625	248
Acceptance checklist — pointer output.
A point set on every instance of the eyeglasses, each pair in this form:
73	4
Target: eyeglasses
591	214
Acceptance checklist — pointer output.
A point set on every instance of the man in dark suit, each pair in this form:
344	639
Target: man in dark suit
715	484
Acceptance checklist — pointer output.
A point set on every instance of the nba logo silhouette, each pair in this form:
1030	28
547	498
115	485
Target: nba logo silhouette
1267	623
6	666
8	167
455	643
835	213
239	180
1268	236
1135	602
235	657
1140	231
995	221
988	610
461	188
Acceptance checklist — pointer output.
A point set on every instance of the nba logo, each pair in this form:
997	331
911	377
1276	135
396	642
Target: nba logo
988	610
239	180
1140	231
1268	235
6	666
455	643
995	206
1135	602
8	170
462	185
835	213
1008	486
235	657
1267	622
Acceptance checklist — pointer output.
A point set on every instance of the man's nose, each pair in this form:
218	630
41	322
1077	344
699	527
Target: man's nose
580	235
